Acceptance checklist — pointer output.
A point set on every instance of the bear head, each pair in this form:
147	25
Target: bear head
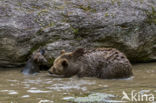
67	64
38	57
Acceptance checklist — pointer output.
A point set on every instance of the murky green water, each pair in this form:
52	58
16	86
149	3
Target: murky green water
42	88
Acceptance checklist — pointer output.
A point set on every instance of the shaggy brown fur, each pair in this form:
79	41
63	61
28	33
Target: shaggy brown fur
35	63
107	63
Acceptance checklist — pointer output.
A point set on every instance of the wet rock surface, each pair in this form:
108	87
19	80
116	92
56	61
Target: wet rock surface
127	25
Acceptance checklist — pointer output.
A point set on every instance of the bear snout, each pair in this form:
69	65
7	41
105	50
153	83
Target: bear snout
50	72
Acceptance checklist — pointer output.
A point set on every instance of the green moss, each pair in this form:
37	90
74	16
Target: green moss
119	2
72	44
19	4
43	11
35	7
76	31
40	32
78	38
61	7
116	1
65	20
87	8
106	14
151	16
113	2
112	15
45	25
51	61
51	24
34	48
141	1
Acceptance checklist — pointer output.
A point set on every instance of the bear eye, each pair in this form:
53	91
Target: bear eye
64	63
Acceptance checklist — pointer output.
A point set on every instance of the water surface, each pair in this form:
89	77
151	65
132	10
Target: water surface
42	88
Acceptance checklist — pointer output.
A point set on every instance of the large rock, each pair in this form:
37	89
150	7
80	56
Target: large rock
26	25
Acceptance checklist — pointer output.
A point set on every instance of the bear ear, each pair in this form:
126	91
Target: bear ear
64	63
62	52
78	52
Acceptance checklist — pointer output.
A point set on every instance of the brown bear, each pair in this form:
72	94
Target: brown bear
105	63
36	62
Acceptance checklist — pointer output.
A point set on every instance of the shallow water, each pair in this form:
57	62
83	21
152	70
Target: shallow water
42	88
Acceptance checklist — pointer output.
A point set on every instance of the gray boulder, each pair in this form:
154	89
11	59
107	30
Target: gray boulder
27	25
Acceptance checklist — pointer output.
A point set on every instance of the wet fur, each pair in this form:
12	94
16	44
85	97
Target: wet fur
35	63
106	63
